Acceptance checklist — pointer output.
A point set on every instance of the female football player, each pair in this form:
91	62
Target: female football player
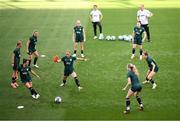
79	36
68	61
135	87
137	39
15	64
153	69
24	70
31	48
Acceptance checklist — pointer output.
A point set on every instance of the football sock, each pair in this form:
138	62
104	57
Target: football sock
127	104
75	51
152	81
133	51
82	51
140	51
35	60
29	62
77	81
139	100
32	91
64	81
13	79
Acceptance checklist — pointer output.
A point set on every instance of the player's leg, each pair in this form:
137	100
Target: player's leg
64	80
74	75
129	94
95	29
32	91
148	32
139	100
133	51
82	49
149	78
147	81
16	78
30	58
36	54
140	52
75	48
100	29
13	79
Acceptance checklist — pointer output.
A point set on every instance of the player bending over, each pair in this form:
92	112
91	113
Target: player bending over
135	87
79	36
153	69
15	64
137	39
24	70
31	48
68	61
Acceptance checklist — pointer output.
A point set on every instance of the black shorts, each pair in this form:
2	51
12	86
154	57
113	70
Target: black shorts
79	40
155	70
31	51
137	41
16	65
136	88
67	73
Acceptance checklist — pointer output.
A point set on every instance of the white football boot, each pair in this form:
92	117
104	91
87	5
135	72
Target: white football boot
154	86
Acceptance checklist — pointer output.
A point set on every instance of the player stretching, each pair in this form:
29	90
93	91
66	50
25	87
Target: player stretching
135	87
24	70
31	49
15	64
79	36
68	61
153	69
137	39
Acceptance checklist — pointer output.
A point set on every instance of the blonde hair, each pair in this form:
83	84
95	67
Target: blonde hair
133	68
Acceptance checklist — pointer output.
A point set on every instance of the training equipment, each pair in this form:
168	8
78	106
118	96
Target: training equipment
113	37
127	38
101	36
58	99
55	59
108	37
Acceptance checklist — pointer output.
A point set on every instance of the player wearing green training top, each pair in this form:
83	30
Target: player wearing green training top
68	61
15	64
79	36
135	87
153	69
24	70
31	48
137	39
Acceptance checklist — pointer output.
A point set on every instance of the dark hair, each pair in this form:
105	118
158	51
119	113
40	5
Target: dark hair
146	53
25	60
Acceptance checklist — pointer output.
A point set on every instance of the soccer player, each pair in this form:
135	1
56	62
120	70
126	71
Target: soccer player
68	61
24	70
153	69
79	36
15	64
137	39
135	87
143	15
96	18
31	48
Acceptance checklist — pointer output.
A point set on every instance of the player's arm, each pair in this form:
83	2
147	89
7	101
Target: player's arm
101	16
90	17
27	45
34	73
128	83
145	35
150	14
153	66
12	59
133	34
73	36
84	34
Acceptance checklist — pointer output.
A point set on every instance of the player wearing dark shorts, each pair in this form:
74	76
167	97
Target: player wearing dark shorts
135	87
137	39
24	70
31	48
153	69
68	61
79	36
15	64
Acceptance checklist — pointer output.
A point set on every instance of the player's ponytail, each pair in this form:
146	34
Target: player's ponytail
133	68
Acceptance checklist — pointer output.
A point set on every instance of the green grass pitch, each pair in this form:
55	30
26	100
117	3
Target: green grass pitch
104	74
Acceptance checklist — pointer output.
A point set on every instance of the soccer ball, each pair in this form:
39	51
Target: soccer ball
57	100
101	37
108	37
120	38
113	37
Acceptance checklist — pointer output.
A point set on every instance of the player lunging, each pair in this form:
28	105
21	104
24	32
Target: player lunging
15	64
153	69
31	48
79	36
137	39
135	87
68	61
24	70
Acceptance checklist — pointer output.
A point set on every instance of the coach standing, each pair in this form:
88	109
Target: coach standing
96	17
143	15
